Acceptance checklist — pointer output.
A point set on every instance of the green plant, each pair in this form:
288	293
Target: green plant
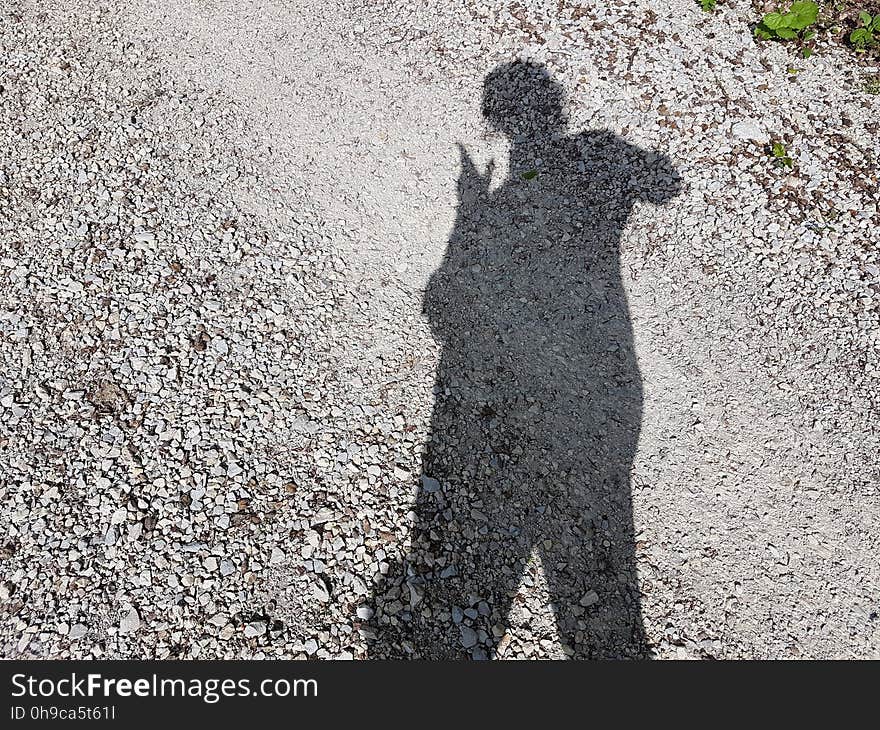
780	156
863	36
871	84
790	24
708	5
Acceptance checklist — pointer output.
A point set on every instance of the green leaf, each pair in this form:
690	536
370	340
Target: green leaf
530	175
807	52
805	7
763	32
786	33
809	35
807	13
772	21
875	25
865	18
861	37
778	149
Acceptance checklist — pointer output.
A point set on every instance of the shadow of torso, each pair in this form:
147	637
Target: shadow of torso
532	316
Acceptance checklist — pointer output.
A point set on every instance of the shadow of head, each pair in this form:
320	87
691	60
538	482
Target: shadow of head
521	98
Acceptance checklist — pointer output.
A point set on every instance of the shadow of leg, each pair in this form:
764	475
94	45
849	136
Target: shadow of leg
593	587
451	597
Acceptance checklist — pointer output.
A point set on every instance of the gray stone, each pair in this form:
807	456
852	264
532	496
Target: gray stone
430	485
130	623
468	636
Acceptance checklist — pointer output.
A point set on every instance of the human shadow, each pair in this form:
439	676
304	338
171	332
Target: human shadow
538	394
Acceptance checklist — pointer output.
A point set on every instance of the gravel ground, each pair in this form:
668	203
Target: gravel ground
262	393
